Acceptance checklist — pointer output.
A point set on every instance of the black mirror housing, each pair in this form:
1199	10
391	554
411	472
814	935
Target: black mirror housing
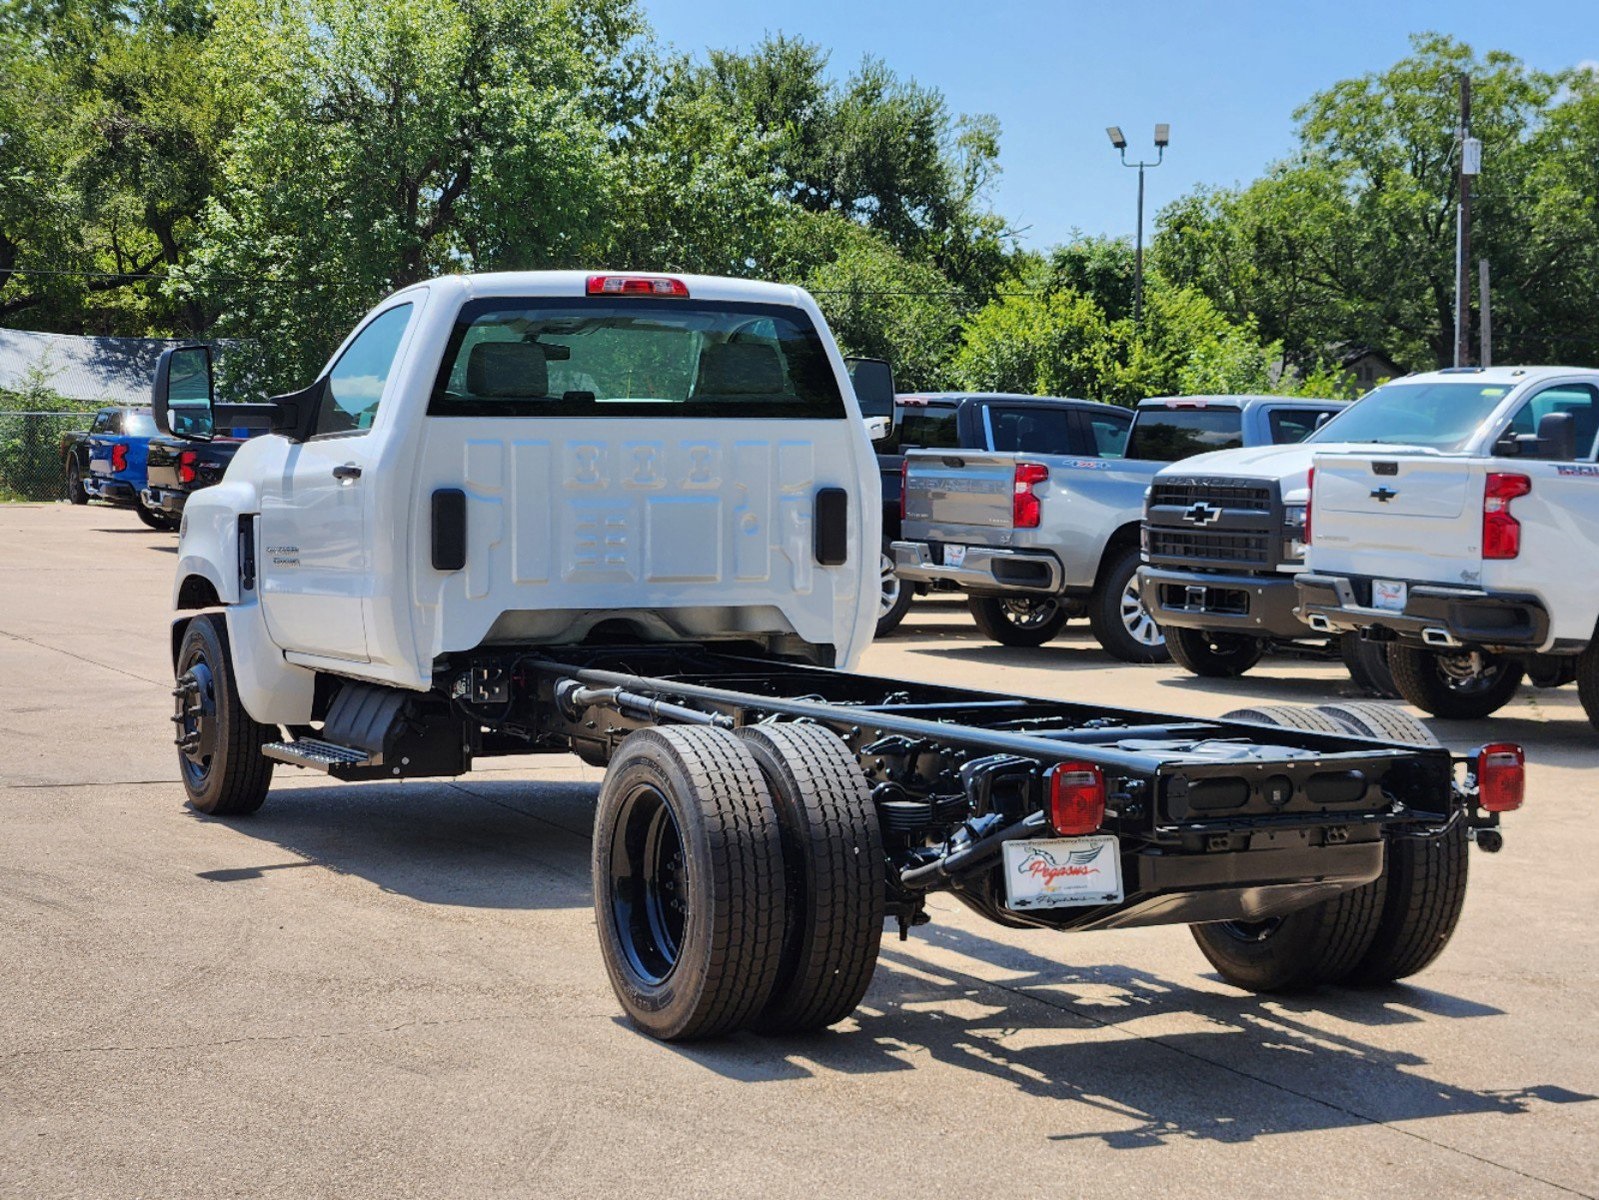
1557	437
181	396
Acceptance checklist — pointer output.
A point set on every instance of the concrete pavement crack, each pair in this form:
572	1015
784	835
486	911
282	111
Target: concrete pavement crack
17	637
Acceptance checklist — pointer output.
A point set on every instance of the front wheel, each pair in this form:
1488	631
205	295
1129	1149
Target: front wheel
1214	655
1460	686
896	597
219	744
1018	620
1118	617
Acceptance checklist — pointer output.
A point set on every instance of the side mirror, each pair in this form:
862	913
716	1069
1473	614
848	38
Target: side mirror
873	380
294	413
878	428
1322	418
1557	436
181	396
1508	445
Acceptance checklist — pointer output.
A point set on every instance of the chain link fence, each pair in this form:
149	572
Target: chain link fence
32	465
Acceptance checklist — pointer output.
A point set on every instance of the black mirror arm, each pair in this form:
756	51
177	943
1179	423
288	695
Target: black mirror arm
294	413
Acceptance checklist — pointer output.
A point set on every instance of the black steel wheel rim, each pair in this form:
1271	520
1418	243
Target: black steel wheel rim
1252	932
196	719
1028	613
1470	673
648	885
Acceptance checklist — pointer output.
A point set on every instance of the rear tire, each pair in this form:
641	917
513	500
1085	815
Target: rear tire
688	882
1018	620
896	597
1588	682
1382	723
1289	716
1367	662
1213	655
1456	687
833	867
219	754
1423	888
1117	615
1309	947
149	515
76	492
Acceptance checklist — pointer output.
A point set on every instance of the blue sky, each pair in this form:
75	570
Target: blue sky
1227	76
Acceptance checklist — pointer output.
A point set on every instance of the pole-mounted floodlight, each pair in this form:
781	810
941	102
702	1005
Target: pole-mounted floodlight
1162	140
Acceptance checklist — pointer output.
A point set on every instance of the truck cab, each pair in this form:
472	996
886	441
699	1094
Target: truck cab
1459	542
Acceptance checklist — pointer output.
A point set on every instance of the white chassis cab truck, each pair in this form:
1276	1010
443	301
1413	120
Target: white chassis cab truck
635	518
1467	545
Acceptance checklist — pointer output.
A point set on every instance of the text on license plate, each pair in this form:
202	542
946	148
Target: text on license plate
954	556
1389	594
1057	872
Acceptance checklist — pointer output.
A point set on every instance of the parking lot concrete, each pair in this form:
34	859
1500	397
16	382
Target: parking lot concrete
394	989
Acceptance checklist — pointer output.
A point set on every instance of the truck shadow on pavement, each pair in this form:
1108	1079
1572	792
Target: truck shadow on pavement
487	844
1145	1060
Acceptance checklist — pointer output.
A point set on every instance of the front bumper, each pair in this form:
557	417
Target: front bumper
984	568
1436	616
1262	605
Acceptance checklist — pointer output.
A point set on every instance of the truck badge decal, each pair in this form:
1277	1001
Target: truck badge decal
1584	470
1383	494
1047	869
1202	514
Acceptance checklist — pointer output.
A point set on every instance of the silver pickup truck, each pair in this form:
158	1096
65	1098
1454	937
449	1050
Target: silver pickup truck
1037	539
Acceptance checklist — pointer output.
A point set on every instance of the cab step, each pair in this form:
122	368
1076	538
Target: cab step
342	762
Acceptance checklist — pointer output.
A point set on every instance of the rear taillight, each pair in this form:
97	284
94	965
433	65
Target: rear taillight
1310	495
1024	512
1501	776
1076	798
119	457
636	285
1501	532
186	466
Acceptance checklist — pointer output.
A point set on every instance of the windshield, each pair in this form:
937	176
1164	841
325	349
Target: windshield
634	357
1435	416
1168	434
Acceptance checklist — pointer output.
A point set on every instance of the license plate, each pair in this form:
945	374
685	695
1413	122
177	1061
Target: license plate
1060	872
954	556
1389	594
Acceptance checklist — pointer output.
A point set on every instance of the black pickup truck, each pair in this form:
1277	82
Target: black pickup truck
176	467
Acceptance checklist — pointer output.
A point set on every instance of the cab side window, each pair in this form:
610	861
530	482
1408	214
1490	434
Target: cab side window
1107	434
1031	430
104	423
1290	425
355	385
1581	400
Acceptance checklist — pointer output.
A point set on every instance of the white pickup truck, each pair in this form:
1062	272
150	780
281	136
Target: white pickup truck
1469	547
636	518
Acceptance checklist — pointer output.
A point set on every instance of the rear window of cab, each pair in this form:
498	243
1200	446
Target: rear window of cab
634	357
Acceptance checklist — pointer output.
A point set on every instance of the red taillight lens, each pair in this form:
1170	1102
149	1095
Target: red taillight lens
1024	512
186	461
636	285
1310	496
1501	532
1501	776
904	478
119	457
1076	798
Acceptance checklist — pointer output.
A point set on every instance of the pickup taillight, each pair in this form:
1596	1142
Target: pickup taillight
1501	532
119	457
186	466
1024	511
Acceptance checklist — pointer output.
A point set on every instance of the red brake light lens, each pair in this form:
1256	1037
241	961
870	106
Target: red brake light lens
1076	798
636	285
1501	532
1501	776
119	457
1024	513
186	464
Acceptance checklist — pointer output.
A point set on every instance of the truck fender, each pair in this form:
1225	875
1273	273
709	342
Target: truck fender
1126	535
272	690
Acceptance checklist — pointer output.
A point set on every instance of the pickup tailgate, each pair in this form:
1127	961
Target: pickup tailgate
959	496
1415	517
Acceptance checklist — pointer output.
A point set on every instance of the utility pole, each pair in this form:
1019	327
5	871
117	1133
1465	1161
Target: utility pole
1484	314
1467	146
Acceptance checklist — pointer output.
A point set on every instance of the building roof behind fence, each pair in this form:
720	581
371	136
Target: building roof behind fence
99	370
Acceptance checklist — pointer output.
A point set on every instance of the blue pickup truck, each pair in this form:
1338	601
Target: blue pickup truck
109	463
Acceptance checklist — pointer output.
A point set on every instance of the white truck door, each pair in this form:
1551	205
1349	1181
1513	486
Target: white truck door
316	560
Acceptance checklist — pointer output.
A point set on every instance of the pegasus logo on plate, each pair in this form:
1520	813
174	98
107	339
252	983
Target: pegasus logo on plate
1383	494
1202	513
1042	866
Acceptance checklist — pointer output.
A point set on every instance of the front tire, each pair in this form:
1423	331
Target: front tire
1018	620
1213	655
833	867
1458	687
688	882
219	744
896	597
1117	615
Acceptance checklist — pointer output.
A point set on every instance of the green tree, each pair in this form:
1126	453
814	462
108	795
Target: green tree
1050	344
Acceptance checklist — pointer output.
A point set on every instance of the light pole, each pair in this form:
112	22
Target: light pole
1162	139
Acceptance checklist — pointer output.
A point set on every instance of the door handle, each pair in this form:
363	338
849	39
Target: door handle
346	472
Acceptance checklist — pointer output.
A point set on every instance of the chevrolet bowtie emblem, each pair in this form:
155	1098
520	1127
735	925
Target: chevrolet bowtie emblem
1382	495
1202	513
